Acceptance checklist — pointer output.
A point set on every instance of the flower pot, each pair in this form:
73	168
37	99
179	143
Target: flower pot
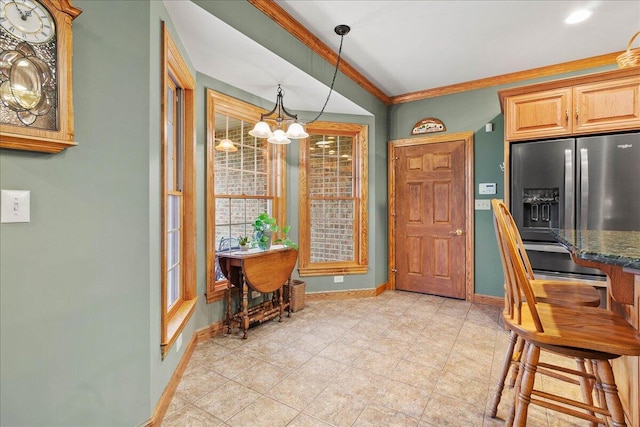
264	239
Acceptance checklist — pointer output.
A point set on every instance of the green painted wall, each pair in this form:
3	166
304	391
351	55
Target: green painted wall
75	300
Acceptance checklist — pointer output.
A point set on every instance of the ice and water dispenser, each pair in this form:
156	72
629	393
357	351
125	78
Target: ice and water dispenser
541	207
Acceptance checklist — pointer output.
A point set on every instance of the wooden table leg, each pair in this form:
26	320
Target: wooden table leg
245	307
229	309
281	303
290	294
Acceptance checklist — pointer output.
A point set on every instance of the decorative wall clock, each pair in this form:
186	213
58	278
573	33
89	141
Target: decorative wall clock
36	106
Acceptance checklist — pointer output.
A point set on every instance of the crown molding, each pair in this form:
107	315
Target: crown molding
550	70
271	9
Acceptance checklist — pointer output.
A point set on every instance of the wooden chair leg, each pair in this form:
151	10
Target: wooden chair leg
586	386
529	365
517	355
598	392
517	384
506	364
605	377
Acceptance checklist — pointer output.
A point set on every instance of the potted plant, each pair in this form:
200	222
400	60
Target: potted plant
264	228
243	241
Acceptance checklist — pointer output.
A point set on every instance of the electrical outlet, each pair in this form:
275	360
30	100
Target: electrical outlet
178	343
338	279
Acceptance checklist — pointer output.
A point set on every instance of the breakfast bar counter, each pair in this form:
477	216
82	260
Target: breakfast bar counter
617	254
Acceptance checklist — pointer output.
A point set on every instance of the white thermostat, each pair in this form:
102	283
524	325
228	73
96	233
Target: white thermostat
487	188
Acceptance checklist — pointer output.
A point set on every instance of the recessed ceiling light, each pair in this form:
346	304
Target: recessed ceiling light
578	16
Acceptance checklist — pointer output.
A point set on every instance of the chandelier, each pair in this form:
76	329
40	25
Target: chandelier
279	126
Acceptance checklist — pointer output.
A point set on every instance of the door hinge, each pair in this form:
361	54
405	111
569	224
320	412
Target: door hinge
393	270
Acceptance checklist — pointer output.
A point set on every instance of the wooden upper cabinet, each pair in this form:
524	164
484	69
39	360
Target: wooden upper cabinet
587	104
610	105
539	114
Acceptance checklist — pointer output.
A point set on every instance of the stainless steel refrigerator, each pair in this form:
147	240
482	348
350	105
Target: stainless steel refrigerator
583	183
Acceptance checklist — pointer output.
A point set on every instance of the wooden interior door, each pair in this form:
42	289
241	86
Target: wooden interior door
430	218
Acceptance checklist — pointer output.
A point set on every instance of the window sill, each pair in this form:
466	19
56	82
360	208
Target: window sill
177	323
216	292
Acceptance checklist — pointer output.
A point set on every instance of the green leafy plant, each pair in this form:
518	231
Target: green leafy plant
243	240
265	227
285	239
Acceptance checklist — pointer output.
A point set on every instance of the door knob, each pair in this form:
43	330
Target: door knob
458	232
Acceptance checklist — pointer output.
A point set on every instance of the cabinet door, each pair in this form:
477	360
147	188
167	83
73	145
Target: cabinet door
607	106
538	115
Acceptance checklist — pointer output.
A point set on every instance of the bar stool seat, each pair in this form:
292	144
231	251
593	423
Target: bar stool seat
559	292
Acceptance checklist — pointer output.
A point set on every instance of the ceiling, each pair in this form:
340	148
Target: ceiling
408	46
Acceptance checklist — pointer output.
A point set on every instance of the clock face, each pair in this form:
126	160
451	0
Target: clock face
28	65
27	20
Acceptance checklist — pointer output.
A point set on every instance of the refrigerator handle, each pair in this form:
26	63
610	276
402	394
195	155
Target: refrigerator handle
568	189
584	188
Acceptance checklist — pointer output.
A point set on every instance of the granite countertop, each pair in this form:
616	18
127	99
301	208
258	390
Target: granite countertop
608	247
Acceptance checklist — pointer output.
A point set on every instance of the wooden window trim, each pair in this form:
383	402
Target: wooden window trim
174	320
360	264
276	169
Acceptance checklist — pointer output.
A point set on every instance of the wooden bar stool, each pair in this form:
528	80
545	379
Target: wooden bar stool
588	333
571	293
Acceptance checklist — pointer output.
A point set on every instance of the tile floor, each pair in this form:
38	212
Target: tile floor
400	359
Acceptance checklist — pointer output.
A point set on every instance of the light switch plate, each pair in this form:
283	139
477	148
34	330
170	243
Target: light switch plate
483	204
15	206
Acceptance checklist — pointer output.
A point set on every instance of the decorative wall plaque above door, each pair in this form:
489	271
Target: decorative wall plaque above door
428	125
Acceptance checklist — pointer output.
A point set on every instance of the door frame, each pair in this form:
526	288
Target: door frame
467	137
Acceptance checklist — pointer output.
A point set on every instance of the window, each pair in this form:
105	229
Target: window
333	200
240	184
178	251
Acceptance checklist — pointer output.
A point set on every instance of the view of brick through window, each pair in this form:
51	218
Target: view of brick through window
237	173
331	191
